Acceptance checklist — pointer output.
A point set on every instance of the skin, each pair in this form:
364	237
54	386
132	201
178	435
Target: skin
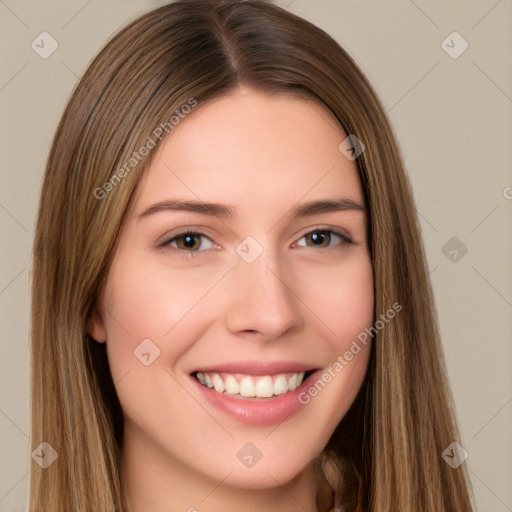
297	301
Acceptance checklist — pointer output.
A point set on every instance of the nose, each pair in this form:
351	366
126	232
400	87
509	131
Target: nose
261	299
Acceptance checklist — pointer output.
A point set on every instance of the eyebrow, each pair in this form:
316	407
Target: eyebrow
225	211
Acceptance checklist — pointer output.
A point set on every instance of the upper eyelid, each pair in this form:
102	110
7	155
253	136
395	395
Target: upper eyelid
165	239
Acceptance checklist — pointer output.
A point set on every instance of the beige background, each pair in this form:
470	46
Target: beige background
453	120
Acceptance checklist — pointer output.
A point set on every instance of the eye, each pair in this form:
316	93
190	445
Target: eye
189	241
323	237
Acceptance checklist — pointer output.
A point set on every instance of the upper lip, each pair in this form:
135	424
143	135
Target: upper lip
256	367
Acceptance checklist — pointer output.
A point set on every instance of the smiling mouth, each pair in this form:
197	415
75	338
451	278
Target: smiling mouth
254	387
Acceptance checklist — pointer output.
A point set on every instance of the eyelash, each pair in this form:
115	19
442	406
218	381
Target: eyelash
192	254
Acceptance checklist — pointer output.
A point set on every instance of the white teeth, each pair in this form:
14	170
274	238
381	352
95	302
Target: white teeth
280	385
292	382
249	386
232	385
265	387
218	383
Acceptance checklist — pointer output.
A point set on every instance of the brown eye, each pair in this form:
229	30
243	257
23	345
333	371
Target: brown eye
319	238
322	238
189	241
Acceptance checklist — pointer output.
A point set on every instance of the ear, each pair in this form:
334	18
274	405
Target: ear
96	327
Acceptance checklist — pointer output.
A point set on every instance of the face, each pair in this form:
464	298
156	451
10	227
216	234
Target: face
255	295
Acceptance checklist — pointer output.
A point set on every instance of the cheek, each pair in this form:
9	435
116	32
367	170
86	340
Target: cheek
346	305
148	301
152	311
342	297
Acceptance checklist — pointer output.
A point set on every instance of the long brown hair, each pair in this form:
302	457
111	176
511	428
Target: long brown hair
393	436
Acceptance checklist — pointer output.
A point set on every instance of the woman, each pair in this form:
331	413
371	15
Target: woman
231	306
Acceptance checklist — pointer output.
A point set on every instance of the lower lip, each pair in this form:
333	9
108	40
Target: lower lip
262	412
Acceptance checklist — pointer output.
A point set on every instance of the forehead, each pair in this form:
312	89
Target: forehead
248	148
